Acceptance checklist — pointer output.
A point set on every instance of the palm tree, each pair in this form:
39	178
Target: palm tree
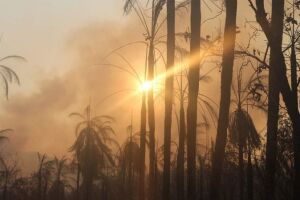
42	162
193	80
169	96
9	171
152	29
8	75
243	134
91	146
242	131
181	146
57	190
130	153
226	79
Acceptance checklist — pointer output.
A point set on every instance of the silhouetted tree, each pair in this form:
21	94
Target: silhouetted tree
193	80
169	95
93	135
274	32
226	80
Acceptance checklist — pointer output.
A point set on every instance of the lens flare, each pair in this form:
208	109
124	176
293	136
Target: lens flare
146	86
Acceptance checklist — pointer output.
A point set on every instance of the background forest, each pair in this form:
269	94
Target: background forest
199	101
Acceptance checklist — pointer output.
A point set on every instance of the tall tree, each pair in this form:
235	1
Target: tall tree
226	80
169	96
273	32
273	104
181	146
142	148
193	83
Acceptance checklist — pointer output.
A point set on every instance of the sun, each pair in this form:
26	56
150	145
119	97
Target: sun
145	86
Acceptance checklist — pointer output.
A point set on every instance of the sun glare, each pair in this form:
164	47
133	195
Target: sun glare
145	86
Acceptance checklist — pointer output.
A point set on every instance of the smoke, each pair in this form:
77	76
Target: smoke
41	119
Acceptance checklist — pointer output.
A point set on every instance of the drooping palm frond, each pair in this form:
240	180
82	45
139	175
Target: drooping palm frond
158	6
242	129
8	75
92	144
128	6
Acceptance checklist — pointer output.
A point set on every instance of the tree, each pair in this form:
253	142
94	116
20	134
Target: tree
8	75
9	171
193	81
42	159
169	96
152	30
130	154
274	32
181	146
57	190
93	153
242	131
226	80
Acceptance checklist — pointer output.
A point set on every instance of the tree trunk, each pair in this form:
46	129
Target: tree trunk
272	126
226	80
241	172
151	122
193	82
273	96
142	149
180	158
45	190
281	76
78	181
201	178
5	186
249	176
40	183
169	96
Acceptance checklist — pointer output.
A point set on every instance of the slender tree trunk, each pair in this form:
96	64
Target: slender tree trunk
5	186
273	96
40	183
272	126
142	149
78	181
130	178
249	176
180	159
169	96
281	76
45	190
226	80
296	126
241	153
201	179
151	122
193	81
241	172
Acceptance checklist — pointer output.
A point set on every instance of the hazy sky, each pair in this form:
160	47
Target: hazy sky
62	40
39	29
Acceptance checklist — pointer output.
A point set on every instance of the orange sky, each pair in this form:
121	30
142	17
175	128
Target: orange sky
62	41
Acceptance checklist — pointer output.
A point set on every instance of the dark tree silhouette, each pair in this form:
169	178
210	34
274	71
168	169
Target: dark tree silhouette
193	81
93	135
226	80
169	96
